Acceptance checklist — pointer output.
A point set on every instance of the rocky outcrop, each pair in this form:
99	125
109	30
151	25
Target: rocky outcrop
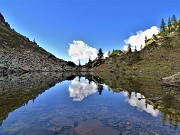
19	54
2	20
172	81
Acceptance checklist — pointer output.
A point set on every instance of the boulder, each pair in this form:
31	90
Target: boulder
95	127
172	81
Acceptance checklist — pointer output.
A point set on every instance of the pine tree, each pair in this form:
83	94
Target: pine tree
79	63
141	47
163	24
135	50
145	39
109	53
154	37
169	24
173	19
100	89
90	60
100	54
129	48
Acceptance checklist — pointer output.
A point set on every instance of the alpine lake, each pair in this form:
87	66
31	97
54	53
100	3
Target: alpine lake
85	104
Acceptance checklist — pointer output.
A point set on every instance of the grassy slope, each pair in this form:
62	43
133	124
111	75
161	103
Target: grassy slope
11	39
161	55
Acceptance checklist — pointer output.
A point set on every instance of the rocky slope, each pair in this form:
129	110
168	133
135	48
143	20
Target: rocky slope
18	53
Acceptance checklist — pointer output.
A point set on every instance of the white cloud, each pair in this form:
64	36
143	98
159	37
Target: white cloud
79	50
79	90
106	54
141	104
138	38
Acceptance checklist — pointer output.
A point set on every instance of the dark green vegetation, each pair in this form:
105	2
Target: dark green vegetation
161	53
19	54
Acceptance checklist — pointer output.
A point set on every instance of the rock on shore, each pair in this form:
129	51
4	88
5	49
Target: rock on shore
172	81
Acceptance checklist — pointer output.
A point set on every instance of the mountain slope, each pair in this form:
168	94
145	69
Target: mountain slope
162	54
17	53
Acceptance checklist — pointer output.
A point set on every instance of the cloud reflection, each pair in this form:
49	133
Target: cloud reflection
78	90
141	104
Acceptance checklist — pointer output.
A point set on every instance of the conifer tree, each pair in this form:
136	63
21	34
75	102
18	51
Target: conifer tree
154	37
135	50
169	24
163	24
109	53
100	54
145	39
141	47
173	19
90	60
79	63
129	48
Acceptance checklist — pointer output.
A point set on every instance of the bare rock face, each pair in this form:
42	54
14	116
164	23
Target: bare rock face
94	127
172	81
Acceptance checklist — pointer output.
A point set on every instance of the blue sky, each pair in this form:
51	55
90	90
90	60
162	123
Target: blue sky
99	23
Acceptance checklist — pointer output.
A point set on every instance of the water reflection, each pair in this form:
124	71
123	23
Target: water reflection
126	104
17	90
138	100
79	89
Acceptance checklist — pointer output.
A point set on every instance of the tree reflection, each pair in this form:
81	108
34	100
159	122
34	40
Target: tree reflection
100	89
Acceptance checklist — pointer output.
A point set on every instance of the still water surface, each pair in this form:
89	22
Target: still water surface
84	107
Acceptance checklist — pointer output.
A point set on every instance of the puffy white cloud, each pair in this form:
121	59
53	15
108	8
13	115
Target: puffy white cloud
79	50
138	38
79	90
141	104
106	54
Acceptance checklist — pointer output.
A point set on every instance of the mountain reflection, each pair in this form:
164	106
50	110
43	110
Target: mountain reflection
141	91
17	90
138	100
79	89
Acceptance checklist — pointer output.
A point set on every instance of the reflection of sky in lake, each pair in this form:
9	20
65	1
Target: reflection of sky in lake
55	112
141	104
78	90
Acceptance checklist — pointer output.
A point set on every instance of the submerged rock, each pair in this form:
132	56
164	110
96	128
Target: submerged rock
61	122
172	81
94	127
